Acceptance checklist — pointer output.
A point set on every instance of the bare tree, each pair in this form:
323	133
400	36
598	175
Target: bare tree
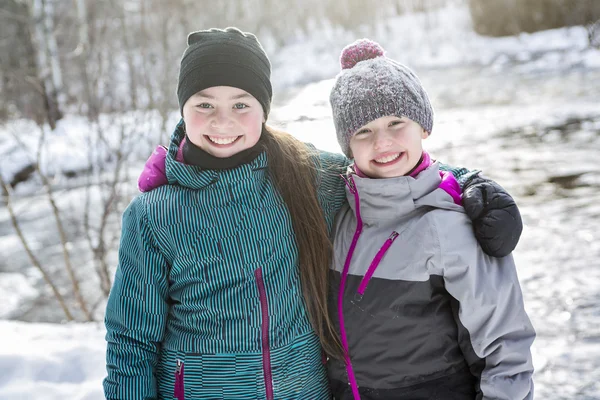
82	55
6	190
52	47
56	213
48	74
62	234
126	36
106	179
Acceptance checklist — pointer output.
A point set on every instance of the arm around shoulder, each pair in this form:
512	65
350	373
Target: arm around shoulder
496	218
330	185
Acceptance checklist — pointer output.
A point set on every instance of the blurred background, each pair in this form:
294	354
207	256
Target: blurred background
88	90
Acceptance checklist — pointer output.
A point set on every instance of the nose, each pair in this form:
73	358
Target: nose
382	140
221	119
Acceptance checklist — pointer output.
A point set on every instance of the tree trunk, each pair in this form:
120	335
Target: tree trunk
84	35
129	56
49	91
145	61
83	56
57	80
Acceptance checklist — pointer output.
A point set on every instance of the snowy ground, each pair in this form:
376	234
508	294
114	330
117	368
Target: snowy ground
51	362
525	110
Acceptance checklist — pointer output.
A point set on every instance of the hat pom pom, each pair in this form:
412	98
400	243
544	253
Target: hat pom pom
361	50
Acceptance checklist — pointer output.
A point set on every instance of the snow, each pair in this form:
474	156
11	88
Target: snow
20	288
75	145
496	101
438	39
51	362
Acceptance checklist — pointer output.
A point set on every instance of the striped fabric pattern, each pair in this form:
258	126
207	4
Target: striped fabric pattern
185	287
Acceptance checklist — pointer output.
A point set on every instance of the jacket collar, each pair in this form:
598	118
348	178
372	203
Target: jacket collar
195	177
394	198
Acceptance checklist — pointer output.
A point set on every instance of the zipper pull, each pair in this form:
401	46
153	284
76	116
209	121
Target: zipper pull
374	264
350	183
179	389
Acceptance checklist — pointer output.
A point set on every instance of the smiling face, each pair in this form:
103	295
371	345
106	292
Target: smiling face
388	146
223	120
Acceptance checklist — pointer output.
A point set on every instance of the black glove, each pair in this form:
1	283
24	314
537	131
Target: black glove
496	218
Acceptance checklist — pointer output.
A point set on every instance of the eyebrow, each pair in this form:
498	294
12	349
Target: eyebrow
236	97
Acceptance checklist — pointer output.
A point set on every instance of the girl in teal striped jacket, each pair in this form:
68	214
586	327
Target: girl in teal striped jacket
221	287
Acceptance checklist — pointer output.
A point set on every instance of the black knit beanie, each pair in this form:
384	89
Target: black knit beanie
228	57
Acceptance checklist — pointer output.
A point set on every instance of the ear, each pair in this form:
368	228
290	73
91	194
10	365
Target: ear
424	134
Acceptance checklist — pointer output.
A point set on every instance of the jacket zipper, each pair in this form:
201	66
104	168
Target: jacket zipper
375	264
359	226
266	352
179	392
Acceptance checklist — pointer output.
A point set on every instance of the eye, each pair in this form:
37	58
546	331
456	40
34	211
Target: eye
362	132
396	122
240	106
204	105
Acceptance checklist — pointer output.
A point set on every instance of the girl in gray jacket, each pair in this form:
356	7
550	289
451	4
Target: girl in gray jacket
422	311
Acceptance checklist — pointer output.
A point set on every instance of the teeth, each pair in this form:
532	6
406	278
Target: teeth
387	159
222	140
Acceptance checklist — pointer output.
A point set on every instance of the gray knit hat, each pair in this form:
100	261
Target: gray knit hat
371	86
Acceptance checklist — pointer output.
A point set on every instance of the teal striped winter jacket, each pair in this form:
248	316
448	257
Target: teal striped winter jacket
206	302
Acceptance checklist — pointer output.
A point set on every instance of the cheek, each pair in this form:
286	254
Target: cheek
359	151
417	144
251	121
195	119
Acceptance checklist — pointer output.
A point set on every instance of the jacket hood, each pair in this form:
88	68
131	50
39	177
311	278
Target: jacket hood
392	198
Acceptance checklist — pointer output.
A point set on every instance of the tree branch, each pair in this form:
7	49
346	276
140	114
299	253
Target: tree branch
61	233
32	258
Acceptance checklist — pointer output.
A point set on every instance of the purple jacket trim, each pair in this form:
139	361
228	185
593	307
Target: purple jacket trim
425	163
179	390
358	172
179	156
266	350
450	185
375	263
154	173
343	336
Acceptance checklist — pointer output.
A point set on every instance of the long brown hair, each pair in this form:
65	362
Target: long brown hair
294	175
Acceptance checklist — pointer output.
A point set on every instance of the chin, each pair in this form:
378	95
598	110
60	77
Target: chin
389	174
224	154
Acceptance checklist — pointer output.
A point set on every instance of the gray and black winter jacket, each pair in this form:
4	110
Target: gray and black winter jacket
423	312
